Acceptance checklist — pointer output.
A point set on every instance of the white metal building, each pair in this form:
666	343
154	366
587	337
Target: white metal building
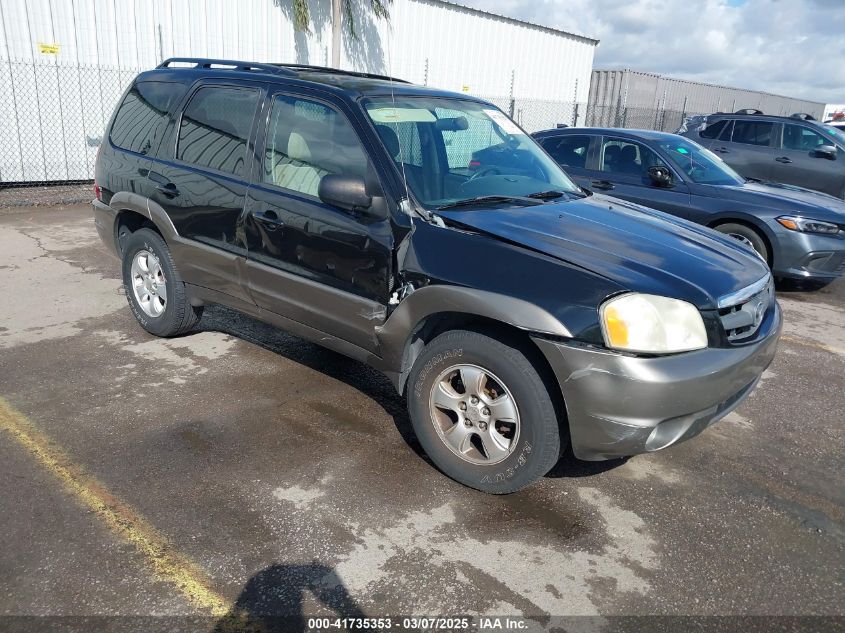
649	91
63	63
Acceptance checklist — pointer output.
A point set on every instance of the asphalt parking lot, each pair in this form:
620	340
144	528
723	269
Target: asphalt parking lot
241	470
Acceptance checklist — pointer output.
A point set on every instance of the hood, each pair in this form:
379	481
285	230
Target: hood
638	248
789	199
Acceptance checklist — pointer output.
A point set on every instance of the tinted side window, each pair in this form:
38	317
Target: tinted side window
802	138
306	141
570	150
713	131
624	157
215	128
752	132
141	117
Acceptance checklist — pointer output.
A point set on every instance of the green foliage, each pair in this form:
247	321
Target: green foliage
302	14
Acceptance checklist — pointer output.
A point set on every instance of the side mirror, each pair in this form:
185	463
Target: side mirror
660	176
345	192
825	151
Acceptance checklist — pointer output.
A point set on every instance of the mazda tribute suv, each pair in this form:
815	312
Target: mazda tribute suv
515	311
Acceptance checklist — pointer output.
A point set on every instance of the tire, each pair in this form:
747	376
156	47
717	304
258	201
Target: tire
525	440
168	311
742	231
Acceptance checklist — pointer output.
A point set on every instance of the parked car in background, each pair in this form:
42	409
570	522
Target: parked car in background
513	310
795	150
800	233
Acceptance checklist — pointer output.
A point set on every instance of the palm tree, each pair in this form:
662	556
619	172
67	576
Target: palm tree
302	16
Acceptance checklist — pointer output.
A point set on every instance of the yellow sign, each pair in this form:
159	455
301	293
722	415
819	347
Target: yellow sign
466	89
48	49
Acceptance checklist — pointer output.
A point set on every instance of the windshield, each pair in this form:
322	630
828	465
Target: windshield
699	164
453	150
836	132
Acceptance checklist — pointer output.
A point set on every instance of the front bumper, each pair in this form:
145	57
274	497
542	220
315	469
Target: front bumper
621	405
808	256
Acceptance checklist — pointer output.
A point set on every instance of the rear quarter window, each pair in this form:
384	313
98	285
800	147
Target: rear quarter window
713	130
142	115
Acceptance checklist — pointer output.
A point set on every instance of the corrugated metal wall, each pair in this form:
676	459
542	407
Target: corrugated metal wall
53	104
632	89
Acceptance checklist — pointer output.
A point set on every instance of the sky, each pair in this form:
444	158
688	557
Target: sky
790	47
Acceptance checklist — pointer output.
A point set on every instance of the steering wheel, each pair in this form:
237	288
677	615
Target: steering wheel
485	171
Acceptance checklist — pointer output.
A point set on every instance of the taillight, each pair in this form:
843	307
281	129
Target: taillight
474	164
98	192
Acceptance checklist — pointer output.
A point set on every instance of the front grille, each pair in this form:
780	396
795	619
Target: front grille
742	319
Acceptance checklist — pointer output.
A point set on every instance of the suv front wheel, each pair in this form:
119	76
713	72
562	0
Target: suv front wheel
482	412
154	289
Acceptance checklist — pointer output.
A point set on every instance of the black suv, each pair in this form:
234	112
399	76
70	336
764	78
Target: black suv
795	150
514	310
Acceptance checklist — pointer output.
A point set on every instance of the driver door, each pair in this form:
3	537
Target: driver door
623	171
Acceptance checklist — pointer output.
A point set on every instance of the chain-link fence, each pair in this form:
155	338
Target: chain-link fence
634	118
52	117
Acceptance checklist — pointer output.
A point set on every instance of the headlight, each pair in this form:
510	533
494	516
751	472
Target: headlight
805	225
652	324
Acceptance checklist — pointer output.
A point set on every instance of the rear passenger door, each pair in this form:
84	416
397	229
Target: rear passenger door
201	181
570	151
796	162
309	261
623	166
748	147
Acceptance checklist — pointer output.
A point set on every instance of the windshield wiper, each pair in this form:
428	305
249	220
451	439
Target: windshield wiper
546	195
486	199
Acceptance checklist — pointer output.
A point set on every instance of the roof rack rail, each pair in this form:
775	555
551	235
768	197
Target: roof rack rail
803	116
225	64
338	71
748	111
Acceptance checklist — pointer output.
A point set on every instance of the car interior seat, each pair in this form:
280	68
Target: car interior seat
628	160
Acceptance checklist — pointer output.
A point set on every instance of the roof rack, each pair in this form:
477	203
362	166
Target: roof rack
748	111
338	71
226	64
803	116
278	69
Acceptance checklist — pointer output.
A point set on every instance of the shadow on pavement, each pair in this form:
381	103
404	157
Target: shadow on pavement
272	600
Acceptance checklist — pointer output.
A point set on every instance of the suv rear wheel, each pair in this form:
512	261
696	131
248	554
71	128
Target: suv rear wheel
154	289
482	412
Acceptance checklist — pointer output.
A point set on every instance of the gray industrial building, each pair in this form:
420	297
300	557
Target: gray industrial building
628	98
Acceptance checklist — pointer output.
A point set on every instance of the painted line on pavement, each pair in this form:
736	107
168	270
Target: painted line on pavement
159	555
808	343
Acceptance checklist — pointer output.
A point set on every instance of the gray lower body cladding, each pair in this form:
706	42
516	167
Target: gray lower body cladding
621	405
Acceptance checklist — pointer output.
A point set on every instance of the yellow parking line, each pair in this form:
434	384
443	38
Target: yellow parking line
806	343
163	561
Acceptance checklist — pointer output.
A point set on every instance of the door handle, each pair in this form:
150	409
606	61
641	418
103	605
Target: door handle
783	159
269	219
721	150
604	185
169	190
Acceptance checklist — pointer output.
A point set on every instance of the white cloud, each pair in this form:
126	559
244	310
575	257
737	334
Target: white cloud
790	47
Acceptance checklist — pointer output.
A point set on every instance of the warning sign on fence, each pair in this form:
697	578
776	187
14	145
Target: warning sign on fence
48	49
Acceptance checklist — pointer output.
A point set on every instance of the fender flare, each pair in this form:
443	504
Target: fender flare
405	320
150	209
